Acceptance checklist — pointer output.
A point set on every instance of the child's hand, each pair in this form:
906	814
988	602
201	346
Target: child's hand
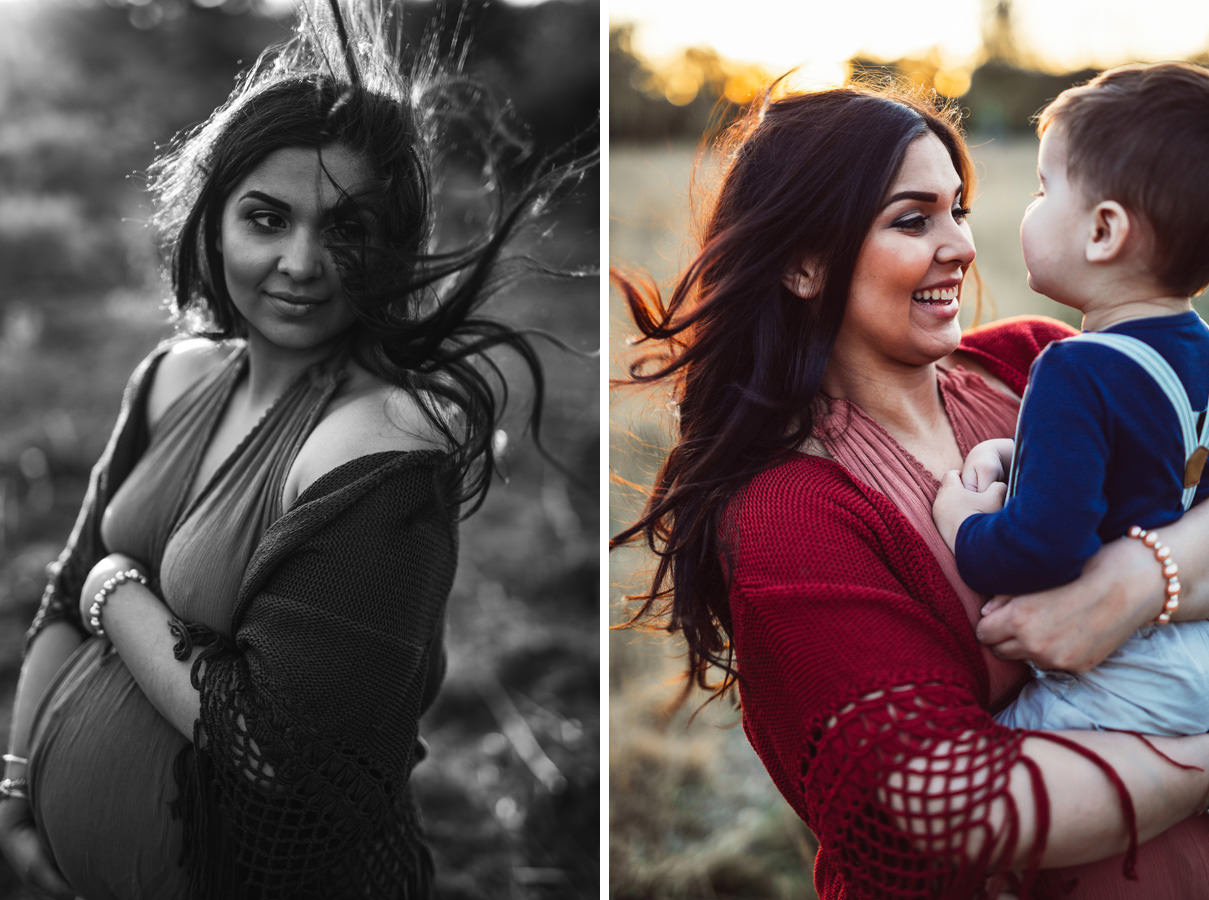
955	503
987	463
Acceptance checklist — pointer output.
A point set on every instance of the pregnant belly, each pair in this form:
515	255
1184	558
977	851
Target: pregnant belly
101	782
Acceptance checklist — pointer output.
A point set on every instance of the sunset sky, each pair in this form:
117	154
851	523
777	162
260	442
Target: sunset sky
819	36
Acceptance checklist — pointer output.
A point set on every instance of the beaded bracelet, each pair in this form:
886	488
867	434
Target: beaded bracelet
108	586
14	787
1171	571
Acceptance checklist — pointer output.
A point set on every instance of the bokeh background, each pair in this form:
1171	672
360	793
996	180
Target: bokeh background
692	812
87	91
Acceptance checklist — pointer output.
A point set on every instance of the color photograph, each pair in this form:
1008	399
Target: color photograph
849	658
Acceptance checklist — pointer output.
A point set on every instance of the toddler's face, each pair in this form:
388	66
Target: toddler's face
1055	227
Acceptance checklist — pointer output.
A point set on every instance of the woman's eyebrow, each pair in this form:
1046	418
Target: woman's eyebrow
267	198
921	196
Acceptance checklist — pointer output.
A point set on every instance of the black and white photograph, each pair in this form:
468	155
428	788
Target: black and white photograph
299	449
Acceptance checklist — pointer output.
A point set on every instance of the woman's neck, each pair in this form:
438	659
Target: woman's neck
904	400
272	368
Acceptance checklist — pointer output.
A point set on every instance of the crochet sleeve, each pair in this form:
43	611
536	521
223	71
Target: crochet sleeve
67	574
309	721
864	696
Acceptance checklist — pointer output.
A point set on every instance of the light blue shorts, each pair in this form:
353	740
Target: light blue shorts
1157	682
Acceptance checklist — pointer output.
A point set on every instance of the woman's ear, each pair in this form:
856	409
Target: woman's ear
804	280
1109	232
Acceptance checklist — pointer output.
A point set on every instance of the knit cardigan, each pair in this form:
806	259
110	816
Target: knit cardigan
855	658
295	785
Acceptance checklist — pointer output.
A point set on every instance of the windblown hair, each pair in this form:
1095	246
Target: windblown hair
805	177
341	82
1139	134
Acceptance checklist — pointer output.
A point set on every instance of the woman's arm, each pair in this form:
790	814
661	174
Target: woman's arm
19	840
1071	807
139	623
1087	820
1074	627
865	696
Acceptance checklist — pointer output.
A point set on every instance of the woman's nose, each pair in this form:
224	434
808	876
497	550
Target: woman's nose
958	245
302	257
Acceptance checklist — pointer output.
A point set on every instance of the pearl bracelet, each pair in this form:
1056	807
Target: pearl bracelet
108	586
14	787
1171	571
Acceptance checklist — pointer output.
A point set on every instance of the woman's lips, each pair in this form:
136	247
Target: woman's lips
294	305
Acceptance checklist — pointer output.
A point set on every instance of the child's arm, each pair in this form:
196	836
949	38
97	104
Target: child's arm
1048	530
956	501
987	463
978	488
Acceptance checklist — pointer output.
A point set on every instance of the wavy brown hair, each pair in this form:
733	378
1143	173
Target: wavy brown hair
805	176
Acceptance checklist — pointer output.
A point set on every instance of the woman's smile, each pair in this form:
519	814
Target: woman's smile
278	227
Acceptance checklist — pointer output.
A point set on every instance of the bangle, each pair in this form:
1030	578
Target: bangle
14	787
13	758
108	586
1171	571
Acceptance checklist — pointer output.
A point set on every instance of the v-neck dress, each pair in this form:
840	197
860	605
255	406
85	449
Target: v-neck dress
976	412
101	755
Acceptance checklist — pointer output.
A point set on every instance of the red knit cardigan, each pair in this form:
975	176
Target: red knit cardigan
855	655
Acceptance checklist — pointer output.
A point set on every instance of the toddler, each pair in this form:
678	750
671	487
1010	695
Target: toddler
1111	433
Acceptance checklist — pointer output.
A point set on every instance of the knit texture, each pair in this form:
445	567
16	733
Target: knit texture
309	722
864	689
296	783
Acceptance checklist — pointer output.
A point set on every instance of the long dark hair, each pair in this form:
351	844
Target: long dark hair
340	82
805	176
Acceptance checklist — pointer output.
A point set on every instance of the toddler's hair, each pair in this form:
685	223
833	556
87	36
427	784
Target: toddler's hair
1139	135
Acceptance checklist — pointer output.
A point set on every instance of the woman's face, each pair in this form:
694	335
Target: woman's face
906	287
278	225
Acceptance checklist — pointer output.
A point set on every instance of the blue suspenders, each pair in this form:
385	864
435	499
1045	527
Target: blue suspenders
1162	373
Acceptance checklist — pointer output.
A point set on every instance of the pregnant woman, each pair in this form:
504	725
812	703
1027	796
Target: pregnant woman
222	687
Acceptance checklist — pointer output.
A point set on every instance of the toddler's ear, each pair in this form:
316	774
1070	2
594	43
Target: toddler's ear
1109	232
804	280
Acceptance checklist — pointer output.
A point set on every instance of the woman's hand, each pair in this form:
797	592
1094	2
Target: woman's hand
23	848
1074	627
106	568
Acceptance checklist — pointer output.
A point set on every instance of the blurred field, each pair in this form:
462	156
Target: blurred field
509	792
692	812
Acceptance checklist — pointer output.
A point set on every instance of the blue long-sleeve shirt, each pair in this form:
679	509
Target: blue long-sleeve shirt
1098	448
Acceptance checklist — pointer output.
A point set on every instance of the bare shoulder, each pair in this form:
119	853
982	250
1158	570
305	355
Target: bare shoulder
367	416
187	362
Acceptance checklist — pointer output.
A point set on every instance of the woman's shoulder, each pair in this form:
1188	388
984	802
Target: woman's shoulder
181	364
1005	349
367	416
1018	337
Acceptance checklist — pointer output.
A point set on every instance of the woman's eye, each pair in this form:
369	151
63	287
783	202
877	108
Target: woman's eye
351	230
266	221
960	213
912	223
